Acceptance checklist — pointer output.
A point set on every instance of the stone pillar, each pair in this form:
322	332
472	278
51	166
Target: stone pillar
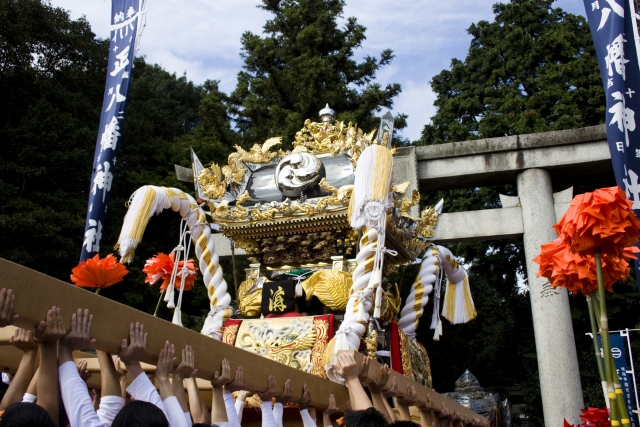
555	344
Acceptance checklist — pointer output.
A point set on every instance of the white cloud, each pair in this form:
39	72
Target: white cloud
202	38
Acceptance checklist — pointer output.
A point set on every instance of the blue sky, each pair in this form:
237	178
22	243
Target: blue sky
202	38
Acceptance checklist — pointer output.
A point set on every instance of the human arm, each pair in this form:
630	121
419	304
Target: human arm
48	333
141	387
218	407
164	368
184	370
426	413
24	341
199	411
265	407
303	404
110	396
32	391
278	407
330	410
409	399
377	398
239	385
347	368
6	308
75	395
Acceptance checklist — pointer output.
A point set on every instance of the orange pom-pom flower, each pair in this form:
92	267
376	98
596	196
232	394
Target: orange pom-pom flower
577	273
160	267
603	219
98	273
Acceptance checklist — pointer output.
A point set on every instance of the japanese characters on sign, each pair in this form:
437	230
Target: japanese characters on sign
125	25
615	37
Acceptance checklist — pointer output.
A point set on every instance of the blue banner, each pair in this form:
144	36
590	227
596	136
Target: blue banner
620	359
126	24
615	36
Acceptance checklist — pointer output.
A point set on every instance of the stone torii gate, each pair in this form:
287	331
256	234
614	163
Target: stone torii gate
532	162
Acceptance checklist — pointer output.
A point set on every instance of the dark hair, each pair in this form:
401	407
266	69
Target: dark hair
402	423
201	425
365	418
24	414
140	414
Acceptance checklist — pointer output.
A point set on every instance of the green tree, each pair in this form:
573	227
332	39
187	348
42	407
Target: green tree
303	62
52	76
533	69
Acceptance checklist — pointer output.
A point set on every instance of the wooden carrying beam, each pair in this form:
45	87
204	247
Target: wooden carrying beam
422	392
36	293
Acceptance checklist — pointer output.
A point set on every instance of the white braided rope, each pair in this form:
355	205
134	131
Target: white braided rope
178	201
356	314
422	287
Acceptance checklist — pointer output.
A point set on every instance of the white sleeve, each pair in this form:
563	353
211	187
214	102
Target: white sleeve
75	397
175	415
29	398
239	408
187	417
267	415
278	410
109	407
142	389
230	406
307	421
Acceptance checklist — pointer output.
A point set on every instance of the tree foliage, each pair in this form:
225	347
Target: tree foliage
532	69
303	62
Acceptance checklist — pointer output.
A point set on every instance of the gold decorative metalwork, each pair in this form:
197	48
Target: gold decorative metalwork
334	138
330	286
321	327
415	360
371	340
249	303
405	203
428	222
211	182
229	334
288	340
391	303
257	154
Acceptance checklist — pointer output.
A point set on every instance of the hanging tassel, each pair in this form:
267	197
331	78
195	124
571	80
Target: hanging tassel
438	331
369	200
378	304
458	304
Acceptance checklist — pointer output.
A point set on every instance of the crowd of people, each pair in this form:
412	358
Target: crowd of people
49	388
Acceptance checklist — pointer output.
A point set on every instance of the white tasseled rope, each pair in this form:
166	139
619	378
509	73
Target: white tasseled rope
356	314
178	201
422	287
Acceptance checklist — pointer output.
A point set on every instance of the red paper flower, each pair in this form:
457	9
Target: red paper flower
603	219
595	417
577	273
98	273
160	267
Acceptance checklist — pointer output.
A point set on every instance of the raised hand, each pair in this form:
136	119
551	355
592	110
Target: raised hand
6	308
271	391
305	401
410	398
363	372
51	330
377	385
186	368
80	335
23	340
224	377
165	361
332	408
82	370
287	394
238	384
347	367
393	390
132	352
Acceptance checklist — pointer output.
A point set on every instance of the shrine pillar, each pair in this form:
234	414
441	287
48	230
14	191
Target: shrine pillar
555	344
